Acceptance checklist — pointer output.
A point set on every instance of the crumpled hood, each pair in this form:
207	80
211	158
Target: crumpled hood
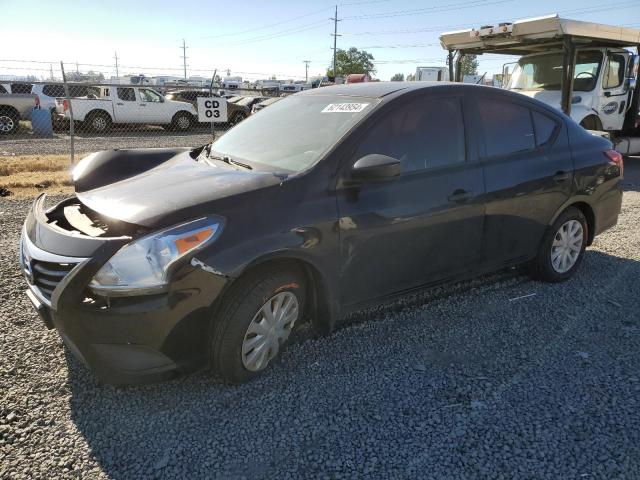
169	192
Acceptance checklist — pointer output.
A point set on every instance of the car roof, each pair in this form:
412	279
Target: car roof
373	89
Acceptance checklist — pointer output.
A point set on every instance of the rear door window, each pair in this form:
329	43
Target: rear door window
53	90
126	94
507	127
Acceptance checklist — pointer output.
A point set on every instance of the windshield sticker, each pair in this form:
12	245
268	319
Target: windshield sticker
344	107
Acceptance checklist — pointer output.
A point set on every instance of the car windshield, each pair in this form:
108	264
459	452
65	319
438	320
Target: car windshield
544	72
294	133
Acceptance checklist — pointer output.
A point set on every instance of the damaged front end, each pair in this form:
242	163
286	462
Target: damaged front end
124	336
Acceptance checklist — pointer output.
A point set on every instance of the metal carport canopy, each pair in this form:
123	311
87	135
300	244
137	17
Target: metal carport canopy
538	34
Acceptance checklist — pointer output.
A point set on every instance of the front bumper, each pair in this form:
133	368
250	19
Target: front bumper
122	340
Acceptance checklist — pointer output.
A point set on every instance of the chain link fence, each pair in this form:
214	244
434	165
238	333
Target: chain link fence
73	113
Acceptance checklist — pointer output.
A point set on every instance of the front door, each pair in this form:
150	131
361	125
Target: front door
152	106
426	224
613	102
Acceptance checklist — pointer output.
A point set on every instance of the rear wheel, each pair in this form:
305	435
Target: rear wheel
563	247
9	121
591	122
254	323
98	122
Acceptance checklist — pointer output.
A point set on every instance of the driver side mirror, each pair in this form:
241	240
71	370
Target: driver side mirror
375	168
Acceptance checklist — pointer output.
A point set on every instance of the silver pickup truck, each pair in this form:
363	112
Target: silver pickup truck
13	108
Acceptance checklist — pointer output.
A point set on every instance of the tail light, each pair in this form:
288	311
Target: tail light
37	101
615	158
65	105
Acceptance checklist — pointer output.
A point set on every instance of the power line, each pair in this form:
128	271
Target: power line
421	11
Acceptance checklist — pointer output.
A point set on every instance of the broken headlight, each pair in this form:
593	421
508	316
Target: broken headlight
142	266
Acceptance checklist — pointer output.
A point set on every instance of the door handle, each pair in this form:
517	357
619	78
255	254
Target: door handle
561	176
119	103
143	104
460	196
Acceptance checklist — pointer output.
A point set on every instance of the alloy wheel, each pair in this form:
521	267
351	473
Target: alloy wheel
183	123
268	330
6	123
566	246
99	123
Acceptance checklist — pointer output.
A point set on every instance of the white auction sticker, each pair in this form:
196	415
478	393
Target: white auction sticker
344	107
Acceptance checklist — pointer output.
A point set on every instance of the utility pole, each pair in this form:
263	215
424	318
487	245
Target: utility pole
335	38
306	70
184	57
51	70
116	58
228	72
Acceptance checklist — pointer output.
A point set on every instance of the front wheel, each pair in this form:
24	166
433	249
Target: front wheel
254	323
563	247
182	122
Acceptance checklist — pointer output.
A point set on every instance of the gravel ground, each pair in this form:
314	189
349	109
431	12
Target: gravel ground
501	377
147	137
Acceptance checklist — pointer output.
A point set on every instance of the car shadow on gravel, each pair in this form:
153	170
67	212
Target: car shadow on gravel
327	395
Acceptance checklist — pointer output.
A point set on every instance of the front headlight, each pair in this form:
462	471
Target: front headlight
142	266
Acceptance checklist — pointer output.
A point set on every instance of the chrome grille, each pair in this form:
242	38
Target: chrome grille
47	275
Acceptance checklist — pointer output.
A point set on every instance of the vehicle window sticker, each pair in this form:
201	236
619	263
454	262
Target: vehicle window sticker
344	107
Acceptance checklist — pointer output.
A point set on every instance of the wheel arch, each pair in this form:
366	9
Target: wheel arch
321	308
9	109
97	111
587	210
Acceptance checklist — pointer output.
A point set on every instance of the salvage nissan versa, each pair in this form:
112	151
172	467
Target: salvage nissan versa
170	260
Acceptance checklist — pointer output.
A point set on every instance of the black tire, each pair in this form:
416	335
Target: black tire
236	313
9	121
182	122
543	266
591	122
237	118
98	122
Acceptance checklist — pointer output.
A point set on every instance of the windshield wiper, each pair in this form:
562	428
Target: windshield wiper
230	161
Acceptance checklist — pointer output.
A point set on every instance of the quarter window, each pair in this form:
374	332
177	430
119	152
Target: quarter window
507	127
544	127
426	133
126	94
614	74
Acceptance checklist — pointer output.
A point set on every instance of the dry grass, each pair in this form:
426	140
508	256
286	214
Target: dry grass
27	175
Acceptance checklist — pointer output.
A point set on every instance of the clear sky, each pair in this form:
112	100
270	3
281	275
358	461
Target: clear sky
257	39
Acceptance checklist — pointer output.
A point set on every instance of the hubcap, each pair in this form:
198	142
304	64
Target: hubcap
567	245
183	123
268	330
99	123
6	123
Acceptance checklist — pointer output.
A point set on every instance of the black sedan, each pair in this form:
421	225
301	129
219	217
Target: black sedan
170	260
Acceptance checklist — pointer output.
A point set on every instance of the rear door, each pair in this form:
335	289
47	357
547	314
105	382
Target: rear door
125	106
423	226
528	174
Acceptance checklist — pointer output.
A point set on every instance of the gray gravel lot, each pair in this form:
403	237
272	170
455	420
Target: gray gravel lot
463	382
120	137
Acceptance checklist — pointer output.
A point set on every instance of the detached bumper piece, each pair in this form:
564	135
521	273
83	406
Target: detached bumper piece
126	340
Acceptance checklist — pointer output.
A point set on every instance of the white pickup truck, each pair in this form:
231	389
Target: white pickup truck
113	104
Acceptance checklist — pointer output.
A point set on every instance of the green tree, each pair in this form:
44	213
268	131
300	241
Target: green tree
352	61
411	77
398	77
469	65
